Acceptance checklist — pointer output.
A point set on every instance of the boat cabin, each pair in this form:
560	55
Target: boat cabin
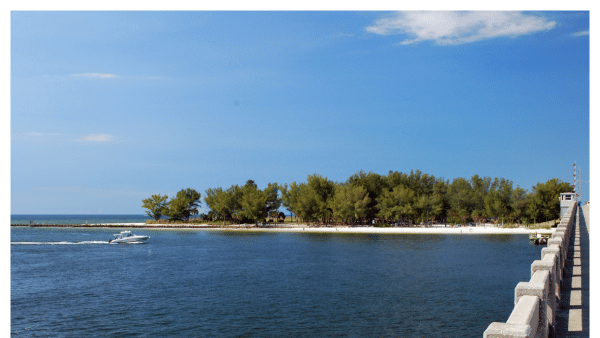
123	234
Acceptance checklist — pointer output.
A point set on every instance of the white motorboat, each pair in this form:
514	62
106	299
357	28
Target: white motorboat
126	237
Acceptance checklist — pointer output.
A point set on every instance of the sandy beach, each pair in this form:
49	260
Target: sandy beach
477	230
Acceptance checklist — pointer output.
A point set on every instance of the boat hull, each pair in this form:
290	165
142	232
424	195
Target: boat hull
130	240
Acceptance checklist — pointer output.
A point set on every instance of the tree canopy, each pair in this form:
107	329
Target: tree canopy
244	204
184	204
156	205
350	203
414	197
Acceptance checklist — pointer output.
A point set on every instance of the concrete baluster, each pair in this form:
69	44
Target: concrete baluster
522	323
538	287
555	249
549	263
536	301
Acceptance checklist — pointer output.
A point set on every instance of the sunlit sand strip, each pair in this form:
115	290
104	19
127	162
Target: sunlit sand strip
343	229
374	230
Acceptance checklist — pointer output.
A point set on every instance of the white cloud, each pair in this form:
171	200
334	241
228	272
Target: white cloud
35	136
582	33
64	188
33	133
97	138
454	28
96	75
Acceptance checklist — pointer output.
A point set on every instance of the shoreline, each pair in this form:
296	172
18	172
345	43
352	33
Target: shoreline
480	230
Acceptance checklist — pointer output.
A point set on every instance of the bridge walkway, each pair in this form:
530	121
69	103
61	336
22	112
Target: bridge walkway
573	315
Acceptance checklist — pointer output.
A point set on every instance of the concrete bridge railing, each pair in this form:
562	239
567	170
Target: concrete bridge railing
536	301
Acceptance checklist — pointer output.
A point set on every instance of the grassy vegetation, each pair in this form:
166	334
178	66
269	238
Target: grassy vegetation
167	221
544	225
293	220
223	223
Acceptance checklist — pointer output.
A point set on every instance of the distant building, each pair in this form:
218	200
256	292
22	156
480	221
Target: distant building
566	198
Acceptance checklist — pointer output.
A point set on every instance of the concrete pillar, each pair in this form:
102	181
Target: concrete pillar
549	264
540	297
522	323
556	249
538	286
504	330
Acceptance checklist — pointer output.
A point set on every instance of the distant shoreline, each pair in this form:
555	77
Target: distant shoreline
482	230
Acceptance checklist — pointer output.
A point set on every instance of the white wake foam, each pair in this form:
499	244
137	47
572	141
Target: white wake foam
59	243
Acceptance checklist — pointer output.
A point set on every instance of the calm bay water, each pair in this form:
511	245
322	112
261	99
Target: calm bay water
76	219
68	282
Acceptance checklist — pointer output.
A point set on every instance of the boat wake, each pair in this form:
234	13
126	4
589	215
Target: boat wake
59	243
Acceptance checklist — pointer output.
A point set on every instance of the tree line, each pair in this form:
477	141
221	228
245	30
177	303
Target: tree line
396	198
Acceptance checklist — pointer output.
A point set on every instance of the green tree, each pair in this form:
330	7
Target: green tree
224	202
498	200
290	196
397	203
350	203
213	216
440	203
309	201
374	184
246	203
156	205
519	201
480	187
544	203
421	184
253	203
307	206
184	204
320	191
460	197
423	206
273	202
396	178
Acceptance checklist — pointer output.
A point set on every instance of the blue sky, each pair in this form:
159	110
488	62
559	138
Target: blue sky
108	108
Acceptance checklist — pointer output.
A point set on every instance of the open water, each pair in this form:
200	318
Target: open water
76	219
68	282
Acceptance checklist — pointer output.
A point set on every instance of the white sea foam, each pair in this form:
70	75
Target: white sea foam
58	243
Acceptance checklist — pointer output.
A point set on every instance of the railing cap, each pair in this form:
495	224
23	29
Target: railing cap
504	330
526	312
540	277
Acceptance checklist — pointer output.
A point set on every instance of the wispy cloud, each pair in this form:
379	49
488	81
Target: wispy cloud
454	28
97	138
582	33
36	134
96	75
64	188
